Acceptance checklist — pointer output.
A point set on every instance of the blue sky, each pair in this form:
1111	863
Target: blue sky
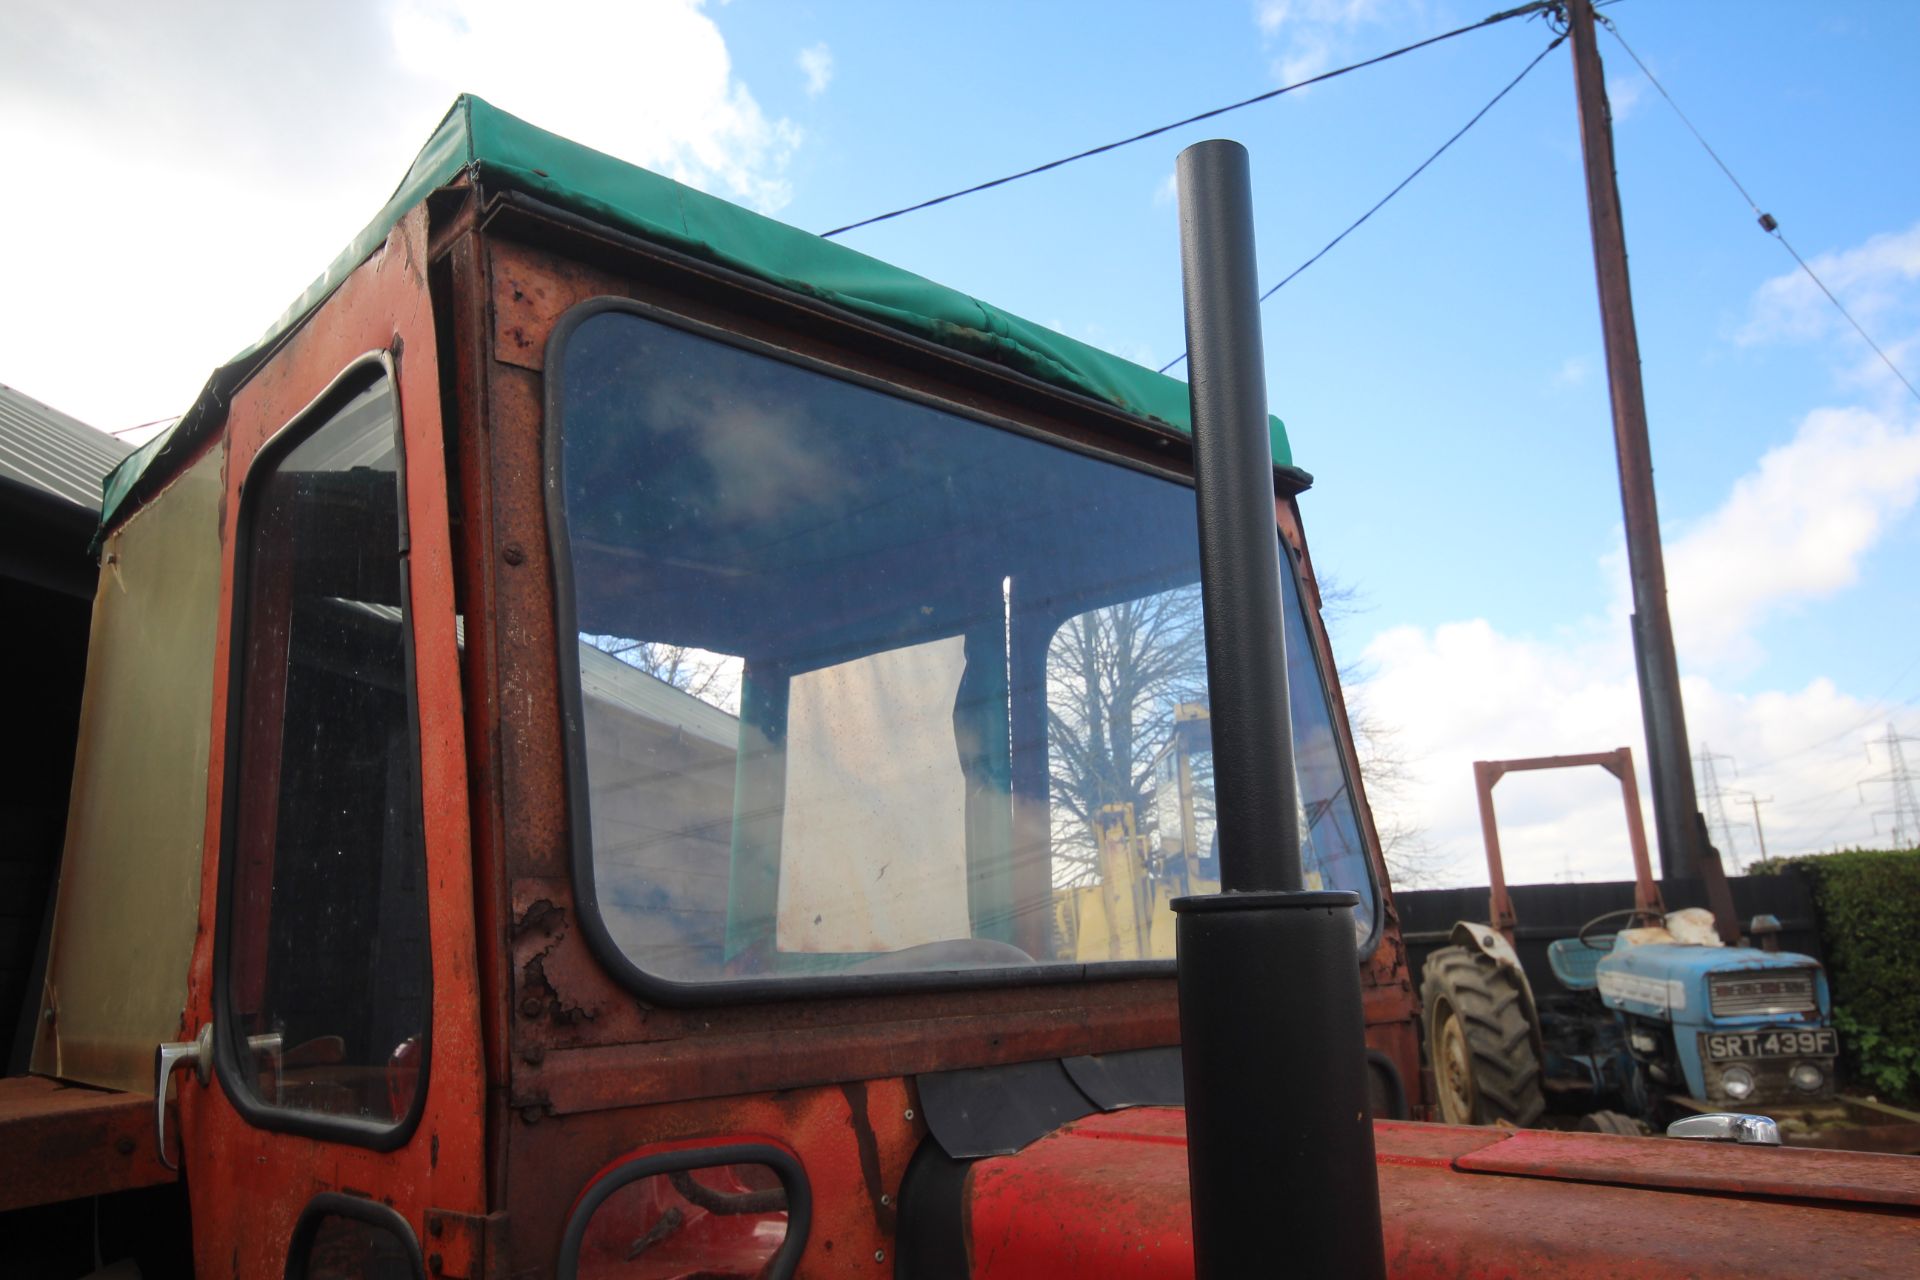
1441	371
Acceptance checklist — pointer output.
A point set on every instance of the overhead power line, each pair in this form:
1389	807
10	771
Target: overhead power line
1768	222
1881	706
1401	185
1540	6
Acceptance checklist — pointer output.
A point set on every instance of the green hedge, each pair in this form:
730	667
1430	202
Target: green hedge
1868	902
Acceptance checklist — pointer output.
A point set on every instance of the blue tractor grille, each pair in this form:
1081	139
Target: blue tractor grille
1758	993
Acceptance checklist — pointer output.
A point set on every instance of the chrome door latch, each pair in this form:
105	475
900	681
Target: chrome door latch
199	1052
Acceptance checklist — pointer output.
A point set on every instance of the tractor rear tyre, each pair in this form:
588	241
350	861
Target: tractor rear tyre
1479	1041
1613	1122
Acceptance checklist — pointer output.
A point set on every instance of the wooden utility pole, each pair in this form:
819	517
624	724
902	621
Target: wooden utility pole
1758	830
1682	833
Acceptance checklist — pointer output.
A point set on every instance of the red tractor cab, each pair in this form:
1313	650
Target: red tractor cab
597	732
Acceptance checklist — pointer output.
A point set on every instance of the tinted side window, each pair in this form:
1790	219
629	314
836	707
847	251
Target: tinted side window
326	959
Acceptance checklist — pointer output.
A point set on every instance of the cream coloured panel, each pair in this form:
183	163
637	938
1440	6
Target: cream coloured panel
129	899
873	850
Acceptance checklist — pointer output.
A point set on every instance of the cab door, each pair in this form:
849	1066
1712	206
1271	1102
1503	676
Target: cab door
335	965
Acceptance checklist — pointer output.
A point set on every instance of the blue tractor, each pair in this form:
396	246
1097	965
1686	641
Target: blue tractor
1656	1013
1735	1027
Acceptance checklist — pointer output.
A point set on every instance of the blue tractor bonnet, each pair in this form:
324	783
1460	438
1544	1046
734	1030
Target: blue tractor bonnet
1667	980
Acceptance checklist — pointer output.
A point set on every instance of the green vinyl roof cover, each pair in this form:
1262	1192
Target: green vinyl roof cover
504	152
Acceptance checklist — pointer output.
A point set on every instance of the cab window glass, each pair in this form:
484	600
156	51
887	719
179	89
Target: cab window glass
326	921
1333	851
868	687
1130	754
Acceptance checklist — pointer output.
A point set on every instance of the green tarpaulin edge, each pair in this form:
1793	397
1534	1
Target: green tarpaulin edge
508	153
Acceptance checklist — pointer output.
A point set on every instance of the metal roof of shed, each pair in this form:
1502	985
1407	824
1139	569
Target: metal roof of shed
53	452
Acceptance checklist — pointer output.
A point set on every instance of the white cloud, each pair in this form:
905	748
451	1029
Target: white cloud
1624	93
1308	34
1875	280
1464	692
1275	15
1308	54
208	159
654	84
1797	527
1168	191
195	276
1794	529
1573	372
816	63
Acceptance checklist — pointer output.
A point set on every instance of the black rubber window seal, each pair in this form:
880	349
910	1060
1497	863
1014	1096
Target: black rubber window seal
332	1204
358	375
685	1160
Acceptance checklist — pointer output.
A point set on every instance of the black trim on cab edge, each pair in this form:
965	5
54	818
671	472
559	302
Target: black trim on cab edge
332	1204
360	374
685	1160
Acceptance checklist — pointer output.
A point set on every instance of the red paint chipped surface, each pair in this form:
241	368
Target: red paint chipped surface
1108	1197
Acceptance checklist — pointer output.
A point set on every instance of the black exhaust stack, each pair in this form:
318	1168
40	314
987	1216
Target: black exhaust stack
1280	1142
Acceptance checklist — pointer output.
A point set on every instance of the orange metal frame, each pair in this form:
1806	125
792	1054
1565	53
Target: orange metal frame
1619	763
247	1185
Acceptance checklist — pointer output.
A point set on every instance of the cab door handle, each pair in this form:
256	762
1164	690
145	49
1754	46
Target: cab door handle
199	1052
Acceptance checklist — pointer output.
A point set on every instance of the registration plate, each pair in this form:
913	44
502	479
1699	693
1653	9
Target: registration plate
1820	1042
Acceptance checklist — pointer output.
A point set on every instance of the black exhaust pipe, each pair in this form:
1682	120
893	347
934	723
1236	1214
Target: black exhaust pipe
1273	1040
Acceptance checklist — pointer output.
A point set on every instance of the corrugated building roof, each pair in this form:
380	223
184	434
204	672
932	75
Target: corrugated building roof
605	678
54	453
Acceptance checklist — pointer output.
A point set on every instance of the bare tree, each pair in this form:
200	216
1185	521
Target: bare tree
1114	678
714	678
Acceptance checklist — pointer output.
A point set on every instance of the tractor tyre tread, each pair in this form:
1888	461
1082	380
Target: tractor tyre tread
1492	1011
1615	1122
